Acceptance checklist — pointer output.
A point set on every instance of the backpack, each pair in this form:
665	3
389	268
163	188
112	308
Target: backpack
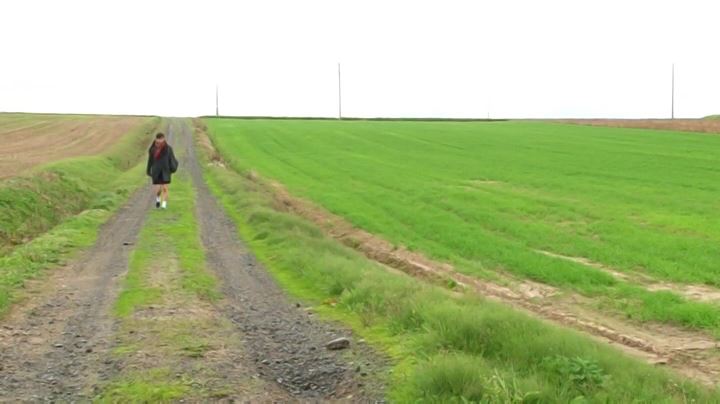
173	163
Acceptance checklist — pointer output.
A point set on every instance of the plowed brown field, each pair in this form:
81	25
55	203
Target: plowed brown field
685	125
30	140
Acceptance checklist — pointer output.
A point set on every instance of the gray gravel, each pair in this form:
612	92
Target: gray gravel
286	343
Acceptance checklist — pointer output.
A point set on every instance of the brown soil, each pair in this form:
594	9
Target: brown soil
690	353
586	262
49	138
702	293
685	125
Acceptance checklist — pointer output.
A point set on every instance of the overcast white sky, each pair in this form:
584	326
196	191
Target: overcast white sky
508	59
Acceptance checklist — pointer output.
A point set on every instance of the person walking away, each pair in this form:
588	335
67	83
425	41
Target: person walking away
160	167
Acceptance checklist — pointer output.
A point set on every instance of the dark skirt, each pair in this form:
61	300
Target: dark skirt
158	179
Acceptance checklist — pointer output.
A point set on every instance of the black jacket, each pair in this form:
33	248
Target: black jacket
163	167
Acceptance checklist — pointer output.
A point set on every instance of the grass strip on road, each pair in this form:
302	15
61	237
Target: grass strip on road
169	238
173	342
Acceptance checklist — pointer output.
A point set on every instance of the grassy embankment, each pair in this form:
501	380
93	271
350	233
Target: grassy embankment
446	348
54	210
490	197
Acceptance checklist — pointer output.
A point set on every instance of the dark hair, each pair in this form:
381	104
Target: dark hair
160	135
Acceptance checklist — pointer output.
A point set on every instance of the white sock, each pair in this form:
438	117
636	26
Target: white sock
164	204
157	199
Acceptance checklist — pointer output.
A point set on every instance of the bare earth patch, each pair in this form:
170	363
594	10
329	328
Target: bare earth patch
479	183
702	293
684	125
586	262
48	138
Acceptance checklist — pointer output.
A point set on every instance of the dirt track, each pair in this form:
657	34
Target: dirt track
284	341
57	344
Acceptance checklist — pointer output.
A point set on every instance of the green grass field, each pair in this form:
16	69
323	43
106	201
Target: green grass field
444	348
487	196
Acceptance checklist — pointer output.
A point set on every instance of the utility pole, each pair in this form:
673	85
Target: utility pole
217	103
339	94
672	97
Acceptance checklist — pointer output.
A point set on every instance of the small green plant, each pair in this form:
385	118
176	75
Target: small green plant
586	375
151	385
508	391
459	378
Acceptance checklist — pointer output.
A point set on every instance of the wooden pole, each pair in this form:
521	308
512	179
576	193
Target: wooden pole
339	94
672	97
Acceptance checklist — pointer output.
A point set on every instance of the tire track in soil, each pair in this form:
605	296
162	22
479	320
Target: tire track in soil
56	347
285	344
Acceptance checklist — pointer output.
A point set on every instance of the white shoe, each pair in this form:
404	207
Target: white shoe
164	204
